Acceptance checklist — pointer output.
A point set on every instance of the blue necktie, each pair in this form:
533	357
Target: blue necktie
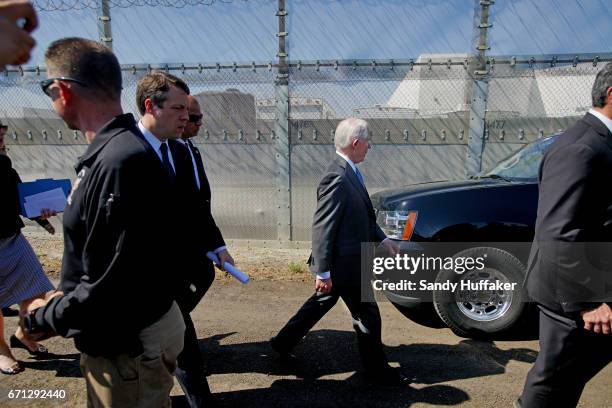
166	160
360	177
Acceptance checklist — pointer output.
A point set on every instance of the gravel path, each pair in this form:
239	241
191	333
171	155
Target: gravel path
234	323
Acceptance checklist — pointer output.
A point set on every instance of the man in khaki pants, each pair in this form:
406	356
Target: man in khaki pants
119	274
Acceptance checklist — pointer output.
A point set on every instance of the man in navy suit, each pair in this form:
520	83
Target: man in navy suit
569	269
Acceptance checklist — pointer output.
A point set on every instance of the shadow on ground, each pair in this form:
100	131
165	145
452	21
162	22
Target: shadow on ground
64	365
327	371
326	353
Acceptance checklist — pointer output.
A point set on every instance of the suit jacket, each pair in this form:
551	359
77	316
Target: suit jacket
344	218
197	218
193	214
571	259
215	239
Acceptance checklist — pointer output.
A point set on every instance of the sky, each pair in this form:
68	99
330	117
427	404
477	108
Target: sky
244	30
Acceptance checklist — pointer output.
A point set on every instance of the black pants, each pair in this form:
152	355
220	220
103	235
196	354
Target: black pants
191	370
366	322
569	357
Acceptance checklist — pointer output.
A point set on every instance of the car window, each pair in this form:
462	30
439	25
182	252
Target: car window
524	164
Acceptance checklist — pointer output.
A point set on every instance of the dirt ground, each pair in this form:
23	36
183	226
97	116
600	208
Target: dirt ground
235	321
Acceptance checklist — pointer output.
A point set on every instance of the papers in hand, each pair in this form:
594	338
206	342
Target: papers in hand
54	199
235	272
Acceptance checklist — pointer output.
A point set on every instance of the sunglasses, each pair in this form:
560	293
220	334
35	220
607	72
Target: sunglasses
195	118
46	83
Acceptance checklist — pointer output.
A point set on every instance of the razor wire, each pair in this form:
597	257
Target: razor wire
66	5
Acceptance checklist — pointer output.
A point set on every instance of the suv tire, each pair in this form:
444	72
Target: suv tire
481	314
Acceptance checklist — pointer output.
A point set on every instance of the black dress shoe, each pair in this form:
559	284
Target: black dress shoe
283	353
388	378
41	351
8	312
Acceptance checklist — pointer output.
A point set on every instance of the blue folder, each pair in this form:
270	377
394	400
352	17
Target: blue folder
39	186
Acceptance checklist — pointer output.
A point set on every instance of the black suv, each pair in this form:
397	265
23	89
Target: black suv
497	206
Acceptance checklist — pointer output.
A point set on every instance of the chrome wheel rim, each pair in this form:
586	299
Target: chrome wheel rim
484	305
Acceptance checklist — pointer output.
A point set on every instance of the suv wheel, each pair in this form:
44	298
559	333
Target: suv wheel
481	313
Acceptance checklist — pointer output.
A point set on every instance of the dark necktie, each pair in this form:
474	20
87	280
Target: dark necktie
360	177
166	160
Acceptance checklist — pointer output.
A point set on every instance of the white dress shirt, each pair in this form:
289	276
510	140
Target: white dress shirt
606	120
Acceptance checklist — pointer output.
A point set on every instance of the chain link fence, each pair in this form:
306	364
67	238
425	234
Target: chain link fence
418	111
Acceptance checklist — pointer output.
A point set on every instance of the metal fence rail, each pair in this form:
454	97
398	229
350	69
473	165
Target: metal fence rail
418	111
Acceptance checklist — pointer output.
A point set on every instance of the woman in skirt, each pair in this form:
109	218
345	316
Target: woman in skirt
22	278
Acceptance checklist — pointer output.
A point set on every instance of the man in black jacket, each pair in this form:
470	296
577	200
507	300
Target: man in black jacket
213	238
120	271
570	264
343	220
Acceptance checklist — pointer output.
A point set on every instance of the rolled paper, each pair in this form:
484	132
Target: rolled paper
235	272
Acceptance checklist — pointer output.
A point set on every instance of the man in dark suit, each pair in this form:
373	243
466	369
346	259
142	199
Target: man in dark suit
570	263
343	220
120	270
164	102
191	371
214	239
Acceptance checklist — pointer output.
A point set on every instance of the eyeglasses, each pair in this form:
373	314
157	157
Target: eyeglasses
195	117
46	83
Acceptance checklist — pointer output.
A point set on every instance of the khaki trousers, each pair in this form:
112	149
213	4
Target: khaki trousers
142	381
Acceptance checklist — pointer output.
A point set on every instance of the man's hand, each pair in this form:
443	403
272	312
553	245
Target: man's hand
40	302
598	320
53	294
391	246
224	257
36	303
323	285
16	43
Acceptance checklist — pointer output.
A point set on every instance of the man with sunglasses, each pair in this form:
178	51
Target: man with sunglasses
120	273
192	128
191	369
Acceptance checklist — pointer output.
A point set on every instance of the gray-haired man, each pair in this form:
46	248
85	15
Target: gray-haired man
343	220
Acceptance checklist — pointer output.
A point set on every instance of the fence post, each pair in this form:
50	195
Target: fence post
480	89
104	24
281	130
